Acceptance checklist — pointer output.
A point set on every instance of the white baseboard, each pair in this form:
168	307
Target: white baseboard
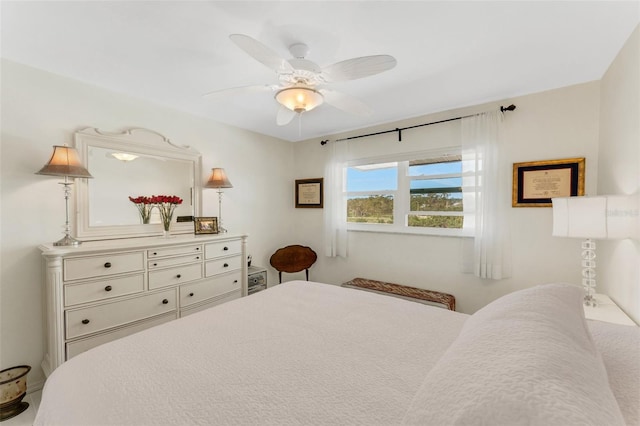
35	386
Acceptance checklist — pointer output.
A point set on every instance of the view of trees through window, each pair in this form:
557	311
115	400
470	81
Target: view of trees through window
436	202
379	209
371	209
434	188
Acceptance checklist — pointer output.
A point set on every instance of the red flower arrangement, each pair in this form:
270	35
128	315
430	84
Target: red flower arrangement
144	206
166	204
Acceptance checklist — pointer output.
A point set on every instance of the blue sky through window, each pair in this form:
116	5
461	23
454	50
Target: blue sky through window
436	168
454	182
385	178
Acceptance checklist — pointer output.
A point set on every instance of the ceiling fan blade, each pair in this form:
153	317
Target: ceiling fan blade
261	53
346	103
355	68
241	90
285	115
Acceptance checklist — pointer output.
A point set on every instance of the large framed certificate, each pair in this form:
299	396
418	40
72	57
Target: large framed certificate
309	193
535	183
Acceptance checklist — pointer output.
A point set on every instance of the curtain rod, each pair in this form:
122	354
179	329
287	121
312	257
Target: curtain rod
399	130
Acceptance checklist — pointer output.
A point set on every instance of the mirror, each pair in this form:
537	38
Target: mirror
137	162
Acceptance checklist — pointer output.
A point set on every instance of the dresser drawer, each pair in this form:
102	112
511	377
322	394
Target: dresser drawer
81	345
220	266
197	292
80	322
172	261
222	248
174	251
218	301
177	275
99	266
75	294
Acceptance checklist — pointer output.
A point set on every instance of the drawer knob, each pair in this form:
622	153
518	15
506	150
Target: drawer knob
190	294
155	253
226	265
197	257
108	288
235	281
225	248
197	248
107	265
155	264
85	321
165	301
178	276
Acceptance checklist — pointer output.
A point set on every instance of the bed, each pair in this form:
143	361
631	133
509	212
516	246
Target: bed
317	354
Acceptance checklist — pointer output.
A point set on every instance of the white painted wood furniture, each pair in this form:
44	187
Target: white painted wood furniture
606	310
104	290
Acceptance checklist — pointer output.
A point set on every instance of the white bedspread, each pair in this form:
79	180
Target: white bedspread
620	348
526	359
299	353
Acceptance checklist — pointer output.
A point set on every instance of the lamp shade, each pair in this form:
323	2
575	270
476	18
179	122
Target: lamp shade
64	162
299	98
623	216
218	179
598	217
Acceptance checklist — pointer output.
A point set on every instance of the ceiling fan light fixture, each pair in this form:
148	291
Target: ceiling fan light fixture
299	99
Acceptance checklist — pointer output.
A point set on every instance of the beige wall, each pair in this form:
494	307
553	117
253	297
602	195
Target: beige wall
619	171
556	124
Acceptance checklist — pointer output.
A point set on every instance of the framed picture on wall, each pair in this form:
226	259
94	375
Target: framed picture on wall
205	225
535	183
309	193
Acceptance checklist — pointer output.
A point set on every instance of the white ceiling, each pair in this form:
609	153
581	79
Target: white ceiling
450	54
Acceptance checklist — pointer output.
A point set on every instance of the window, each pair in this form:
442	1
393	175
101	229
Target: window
419	193
435	191
370	193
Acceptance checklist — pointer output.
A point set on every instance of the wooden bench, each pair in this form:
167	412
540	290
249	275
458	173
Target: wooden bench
410	293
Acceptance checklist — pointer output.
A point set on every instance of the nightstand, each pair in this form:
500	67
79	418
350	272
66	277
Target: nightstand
607	311
257	279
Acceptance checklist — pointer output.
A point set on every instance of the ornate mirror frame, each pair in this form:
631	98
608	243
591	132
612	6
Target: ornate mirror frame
145	143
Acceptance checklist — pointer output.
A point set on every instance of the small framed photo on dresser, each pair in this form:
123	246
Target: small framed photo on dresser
205	225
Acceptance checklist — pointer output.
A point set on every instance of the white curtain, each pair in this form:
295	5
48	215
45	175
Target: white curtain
486	191
335	204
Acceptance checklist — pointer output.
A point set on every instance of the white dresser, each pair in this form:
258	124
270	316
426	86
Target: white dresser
104	290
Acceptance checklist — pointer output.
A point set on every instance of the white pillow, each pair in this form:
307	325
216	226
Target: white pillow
524	359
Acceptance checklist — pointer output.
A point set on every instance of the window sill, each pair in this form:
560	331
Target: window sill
433	232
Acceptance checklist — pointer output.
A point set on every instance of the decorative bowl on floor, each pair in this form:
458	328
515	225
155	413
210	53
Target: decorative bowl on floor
13	387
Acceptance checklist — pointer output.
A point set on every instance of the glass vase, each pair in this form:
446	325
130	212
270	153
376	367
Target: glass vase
145	213
166	224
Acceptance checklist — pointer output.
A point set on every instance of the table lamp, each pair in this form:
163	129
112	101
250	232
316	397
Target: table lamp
65	162
592	218
219	180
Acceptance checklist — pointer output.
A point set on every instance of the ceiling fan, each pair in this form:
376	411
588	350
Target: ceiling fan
300	81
